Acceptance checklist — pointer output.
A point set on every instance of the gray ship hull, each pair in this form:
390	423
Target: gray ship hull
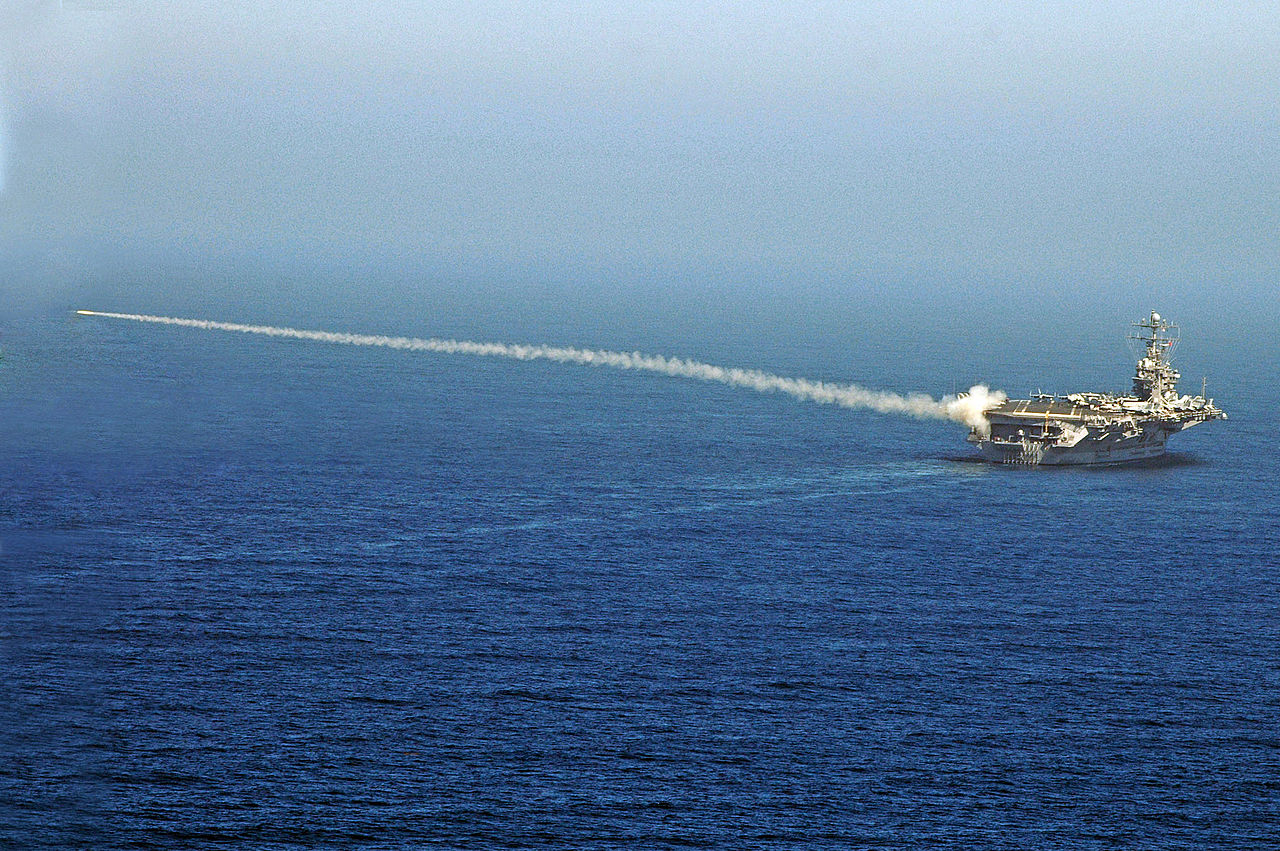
1060	432
1117	450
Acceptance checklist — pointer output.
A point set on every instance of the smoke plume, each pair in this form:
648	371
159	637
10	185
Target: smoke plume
967	408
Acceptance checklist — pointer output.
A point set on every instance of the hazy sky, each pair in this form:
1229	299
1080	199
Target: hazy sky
1065	147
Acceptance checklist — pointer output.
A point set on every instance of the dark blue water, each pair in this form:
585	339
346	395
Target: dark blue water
280	594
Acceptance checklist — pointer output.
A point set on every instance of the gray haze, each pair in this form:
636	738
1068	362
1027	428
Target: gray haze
155	154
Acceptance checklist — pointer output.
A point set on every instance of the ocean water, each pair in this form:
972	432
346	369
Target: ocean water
280	594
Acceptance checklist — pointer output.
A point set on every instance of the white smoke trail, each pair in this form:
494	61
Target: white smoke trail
967	408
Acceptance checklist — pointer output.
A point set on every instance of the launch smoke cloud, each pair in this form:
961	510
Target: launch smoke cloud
967	408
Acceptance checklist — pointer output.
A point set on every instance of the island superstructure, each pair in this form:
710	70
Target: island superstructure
1100	428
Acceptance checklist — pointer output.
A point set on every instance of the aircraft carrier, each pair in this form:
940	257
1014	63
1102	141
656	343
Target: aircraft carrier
1100	428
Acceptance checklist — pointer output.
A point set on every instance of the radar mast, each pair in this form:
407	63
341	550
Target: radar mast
1155	379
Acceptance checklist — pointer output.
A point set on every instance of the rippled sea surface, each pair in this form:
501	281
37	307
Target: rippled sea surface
280	594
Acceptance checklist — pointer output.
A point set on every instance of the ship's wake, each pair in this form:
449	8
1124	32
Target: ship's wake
967	408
